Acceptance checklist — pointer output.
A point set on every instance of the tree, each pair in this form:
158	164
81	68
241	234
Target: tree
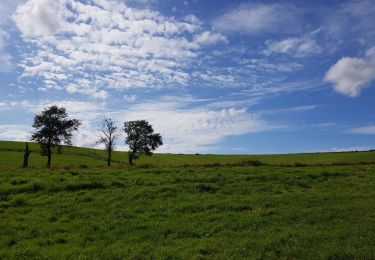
108	134
53	127
26	155
141	139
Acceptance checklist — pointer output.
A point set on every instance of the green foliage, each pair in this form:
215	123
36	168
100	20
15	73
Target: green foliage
141	139
53	127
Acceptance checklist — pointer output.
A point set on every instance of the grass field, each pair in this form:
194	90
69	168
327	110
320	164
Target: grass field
12	156
298	206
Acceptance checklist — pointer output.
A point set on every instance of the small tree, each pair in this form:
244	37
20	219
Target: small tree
108	134
53	127
26	155
141	139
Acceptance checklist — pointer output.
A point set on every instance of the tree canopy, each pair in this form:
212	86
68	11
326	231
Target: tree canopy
53	127
141	139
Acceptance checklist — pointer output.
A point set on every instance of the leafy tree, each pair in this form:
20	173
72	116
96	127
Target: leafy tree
53	127
141	139
108	134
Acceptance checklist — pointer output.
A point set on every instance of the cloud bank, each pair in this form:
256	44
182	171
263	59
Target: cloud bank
91	48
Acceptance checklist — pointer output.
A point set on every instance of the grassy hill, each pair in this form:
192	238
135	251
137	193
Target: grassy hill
11	156
187	206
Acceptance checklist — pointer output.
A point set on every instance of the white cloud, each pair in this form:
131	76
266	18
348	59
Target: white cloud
130	98
40	17
351	75
87	112
208	37
367	130
271	67
288	110
91	48
15	132
6	64
257	18
7	8
299	47
348	149
353	19
194	129
187	124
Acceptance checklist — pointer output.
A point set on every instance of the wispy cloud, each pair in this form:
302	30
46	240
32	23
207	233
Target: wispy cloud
258	18
190	127
366	130
288	110
353	19
299	47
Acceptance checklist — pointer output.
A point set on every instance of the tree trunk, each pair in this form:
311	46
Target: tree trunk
26	156
130	156
49	156
109	157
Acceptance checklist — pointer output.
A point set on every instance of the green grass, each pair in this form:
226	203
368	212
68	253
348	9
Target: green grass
12	156
200	211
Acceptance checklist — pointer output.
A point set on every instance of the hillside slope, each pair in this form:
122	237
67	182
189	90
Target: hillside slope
11	154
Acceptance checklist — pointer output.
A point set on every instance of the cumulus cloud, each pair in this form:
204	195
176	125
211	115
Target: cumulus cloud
351	75
299	47
92	47
40	17
257	18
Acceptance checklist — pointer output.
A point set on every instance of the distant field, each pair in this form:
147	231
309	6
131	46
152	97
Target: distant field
11	156
297	206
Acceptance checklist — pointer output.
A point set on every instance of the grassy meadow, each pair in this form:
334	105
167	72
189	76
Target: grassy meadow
295	206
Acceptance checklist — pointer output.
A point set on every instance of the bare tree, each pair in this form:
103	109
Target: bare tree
108	134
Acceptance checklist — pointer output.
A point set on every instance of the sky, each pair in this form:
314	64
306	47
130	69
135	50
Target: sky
232	77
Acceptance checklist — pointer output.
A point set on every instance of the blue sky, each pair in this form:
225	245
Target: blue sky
210	76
